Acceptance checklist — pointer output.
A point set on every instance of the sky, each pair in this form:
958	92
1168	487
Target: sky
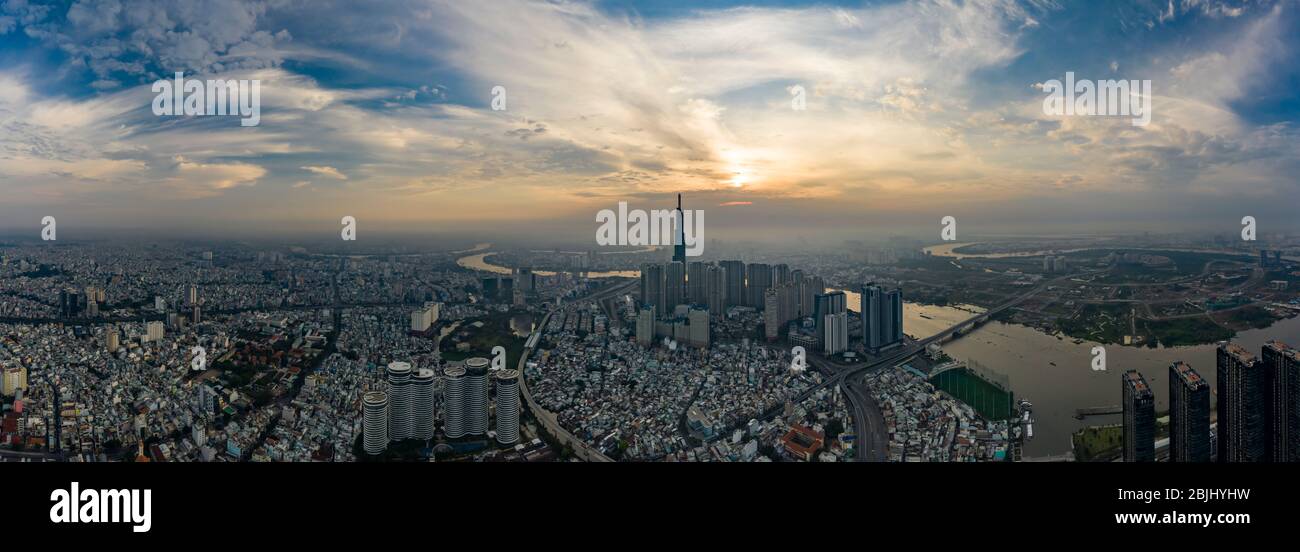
913	111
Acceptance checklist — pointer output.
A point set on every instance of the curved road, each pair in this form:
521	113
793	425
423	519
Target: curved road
547	418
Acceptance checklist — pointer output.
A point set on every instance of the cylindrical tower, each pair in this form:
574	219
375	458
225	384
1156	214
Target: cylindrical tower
508	406
422	404
476	396
453	402
400	419
374	422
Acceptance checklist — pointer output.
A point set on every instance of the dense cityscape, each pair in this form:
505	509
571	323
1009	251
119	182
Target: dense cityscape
165	352
293	270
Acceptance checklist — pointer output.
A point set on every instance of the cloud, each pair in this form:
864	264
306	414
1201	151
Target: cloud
197	180
905	102
330	172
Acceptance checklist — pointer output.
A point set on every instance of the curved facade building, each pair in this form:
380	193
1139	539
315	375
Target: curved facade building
453	402
508	407
400	417
374	422
422	404
476	396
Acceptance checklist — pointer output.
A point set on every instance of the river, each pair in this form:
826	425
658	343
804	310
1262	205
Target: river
1026	356
479	262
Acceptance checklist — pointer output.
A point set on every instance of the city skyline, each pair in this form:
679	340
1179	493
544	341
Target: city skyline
301	261
911	111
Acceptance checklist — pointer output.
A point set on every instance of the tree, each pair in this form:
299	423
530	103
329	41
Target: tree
834	428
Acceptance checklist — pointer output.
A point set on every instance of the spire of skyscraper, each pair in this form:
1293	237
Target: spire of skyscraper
679	245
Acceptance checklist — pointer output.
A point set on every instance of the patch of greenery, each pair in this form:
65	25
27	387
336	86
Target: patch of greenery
495	331
1091	443
1180	332
1101	323
1252	317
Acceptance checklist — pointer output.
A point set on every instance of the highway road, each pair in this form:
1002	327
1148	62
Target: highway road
547	418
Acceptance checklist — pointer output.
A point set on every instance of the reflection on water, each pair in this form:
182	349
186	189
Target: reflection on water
947	250
479	262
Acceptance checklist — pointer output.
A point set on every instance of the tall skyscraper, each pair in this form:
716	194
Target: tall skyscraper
695	283
679	237
374	422
491	287
652	286
827	304
715	290
422	404
506	291
735	273
401	420
698	319
771	314
809	289
780	274
758	277
836	339
788	302
674	286
453	402
780	306
645	326
882	317
870	309
1241	411
1139	419
1282	401
476	395
893	323
525	280
1189	415
507	406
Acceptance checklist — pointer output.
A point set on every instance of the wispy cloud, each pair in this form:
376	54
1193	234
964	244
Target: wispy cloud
389	110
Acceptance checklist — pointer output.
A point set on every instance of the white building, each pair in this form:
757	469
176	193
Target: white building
422	407
507	406
837	333
424	317
401	419
375	422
